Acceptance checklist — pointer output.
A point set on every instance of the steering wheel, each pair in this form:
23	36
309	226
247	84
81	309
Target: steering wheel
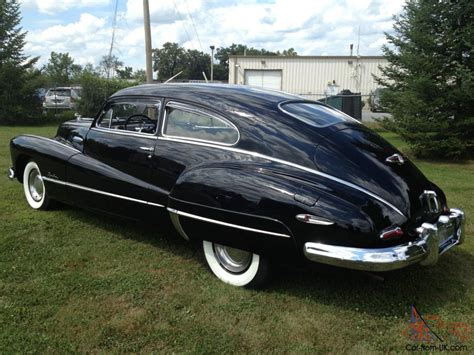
144	118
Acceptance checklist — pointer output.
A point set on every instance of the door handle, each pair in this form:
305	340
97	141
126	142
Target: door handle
147	149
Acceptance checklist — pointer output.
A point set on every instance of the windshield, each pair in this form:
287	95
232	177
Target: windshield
315	114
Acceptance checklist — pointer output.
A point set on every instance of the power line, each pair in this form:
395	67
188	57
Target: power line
194	25
182	21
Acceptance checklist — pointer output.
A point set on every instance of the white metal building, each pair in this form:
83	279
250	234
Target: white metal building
311	76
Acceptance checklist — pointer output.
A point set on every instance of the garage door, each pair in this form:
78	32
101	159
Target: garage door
269	79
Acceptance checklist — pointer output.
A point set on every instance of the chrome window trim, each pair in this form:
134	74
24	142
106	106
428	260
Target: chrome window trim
297	166
80	187
226	224
124	133
198	111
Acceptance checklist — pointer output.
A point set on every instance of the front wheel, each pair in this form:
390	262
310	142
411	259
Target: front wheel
33	185
235	266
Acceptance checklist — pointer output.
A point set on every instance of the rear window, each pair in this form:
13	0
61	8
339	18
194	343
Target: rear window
60	92
314	114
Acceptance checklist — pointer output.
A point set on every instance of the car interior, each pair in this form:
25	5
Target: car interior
138	117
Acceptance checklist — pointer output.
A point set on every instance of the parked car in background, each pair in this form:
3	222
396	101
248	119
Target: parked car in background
374	101
252	175
62	98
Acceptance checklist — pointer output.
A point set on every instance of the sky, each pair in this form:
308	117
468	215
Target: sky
313	27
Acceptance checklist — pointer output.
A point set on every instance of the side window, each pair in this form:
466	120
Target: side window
137	116
195	125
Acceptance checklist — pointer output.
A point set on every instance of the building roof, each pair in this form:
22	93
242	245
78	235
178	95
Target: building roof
354	57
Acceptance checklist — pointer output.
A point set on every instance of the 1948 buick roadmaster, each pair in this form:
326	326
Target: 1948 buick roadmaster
253	175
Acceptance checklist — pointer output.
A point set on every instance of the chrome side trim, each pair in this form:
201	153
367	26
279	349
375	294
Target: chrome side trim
284	162
124	133
176	223
196	110
310	219
80	187
237	226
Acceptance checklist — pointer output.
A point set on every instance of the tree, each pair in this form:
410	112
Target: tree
139	75
290	52
110	65
61	70
196	63
169	60
221	71
17	96
430	78
125	73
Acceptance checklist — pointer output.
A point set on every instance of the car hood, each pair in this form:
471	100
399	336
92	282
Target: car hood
358	155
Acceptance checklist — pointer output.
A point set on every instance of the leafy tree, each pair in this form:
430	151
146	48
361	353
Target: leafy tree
139	75
61	70
125	73
430	78
17	96
196	63
96	89
109	65
290	52
221	71
169	60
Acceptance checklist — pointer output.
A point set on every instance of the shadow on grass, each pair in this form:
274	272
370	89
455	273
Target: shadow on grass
381	294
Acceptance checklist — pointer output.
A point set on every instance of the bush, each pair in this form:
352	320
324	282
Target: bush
95	90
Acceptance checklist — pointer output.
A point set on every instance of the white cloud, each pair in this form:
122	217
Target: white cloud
311	27
85	39
55	6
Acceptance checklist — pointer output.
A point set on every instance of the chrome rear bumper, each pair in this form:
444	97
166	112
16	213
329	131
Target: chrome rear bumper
433	240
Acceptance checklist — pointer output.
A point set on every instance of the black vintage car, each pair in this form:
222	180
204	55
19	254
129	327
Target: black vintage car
253	175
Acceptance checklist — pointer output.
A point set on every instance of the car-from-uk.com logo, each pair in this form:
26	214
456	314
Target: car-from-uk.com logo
431	333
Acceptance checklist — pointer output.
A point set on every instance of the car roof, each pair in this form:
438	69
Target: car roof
221	96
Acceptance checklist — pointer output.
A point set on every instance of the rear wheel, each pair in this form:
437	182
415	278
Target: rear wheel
33	185
235	266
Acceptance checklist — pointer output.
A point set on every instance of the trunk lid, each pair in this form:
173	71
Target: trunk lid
358	155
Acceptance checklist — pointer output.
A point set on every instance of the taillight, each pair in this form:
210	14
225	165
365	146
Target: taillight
392	233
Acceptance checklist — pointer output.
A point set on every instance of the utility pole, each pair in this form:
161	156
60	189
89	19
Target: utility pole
212	63
146	15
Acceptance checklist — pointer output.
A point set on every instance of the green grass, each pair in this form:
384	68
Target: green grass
71	281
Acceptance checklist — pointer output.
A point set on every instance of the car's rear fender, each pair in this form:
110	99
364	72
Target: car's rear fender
257	209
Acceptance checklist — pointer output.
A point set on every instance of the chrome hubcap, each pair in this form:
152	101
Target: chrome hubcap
232	259
35	184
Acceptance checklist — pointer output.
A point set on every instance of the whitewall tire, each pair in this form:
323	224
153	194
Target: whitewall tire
234	266
33	185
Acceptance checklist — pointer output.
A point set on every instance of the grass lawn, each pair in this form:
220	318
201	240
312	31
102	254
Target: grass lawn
71	280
